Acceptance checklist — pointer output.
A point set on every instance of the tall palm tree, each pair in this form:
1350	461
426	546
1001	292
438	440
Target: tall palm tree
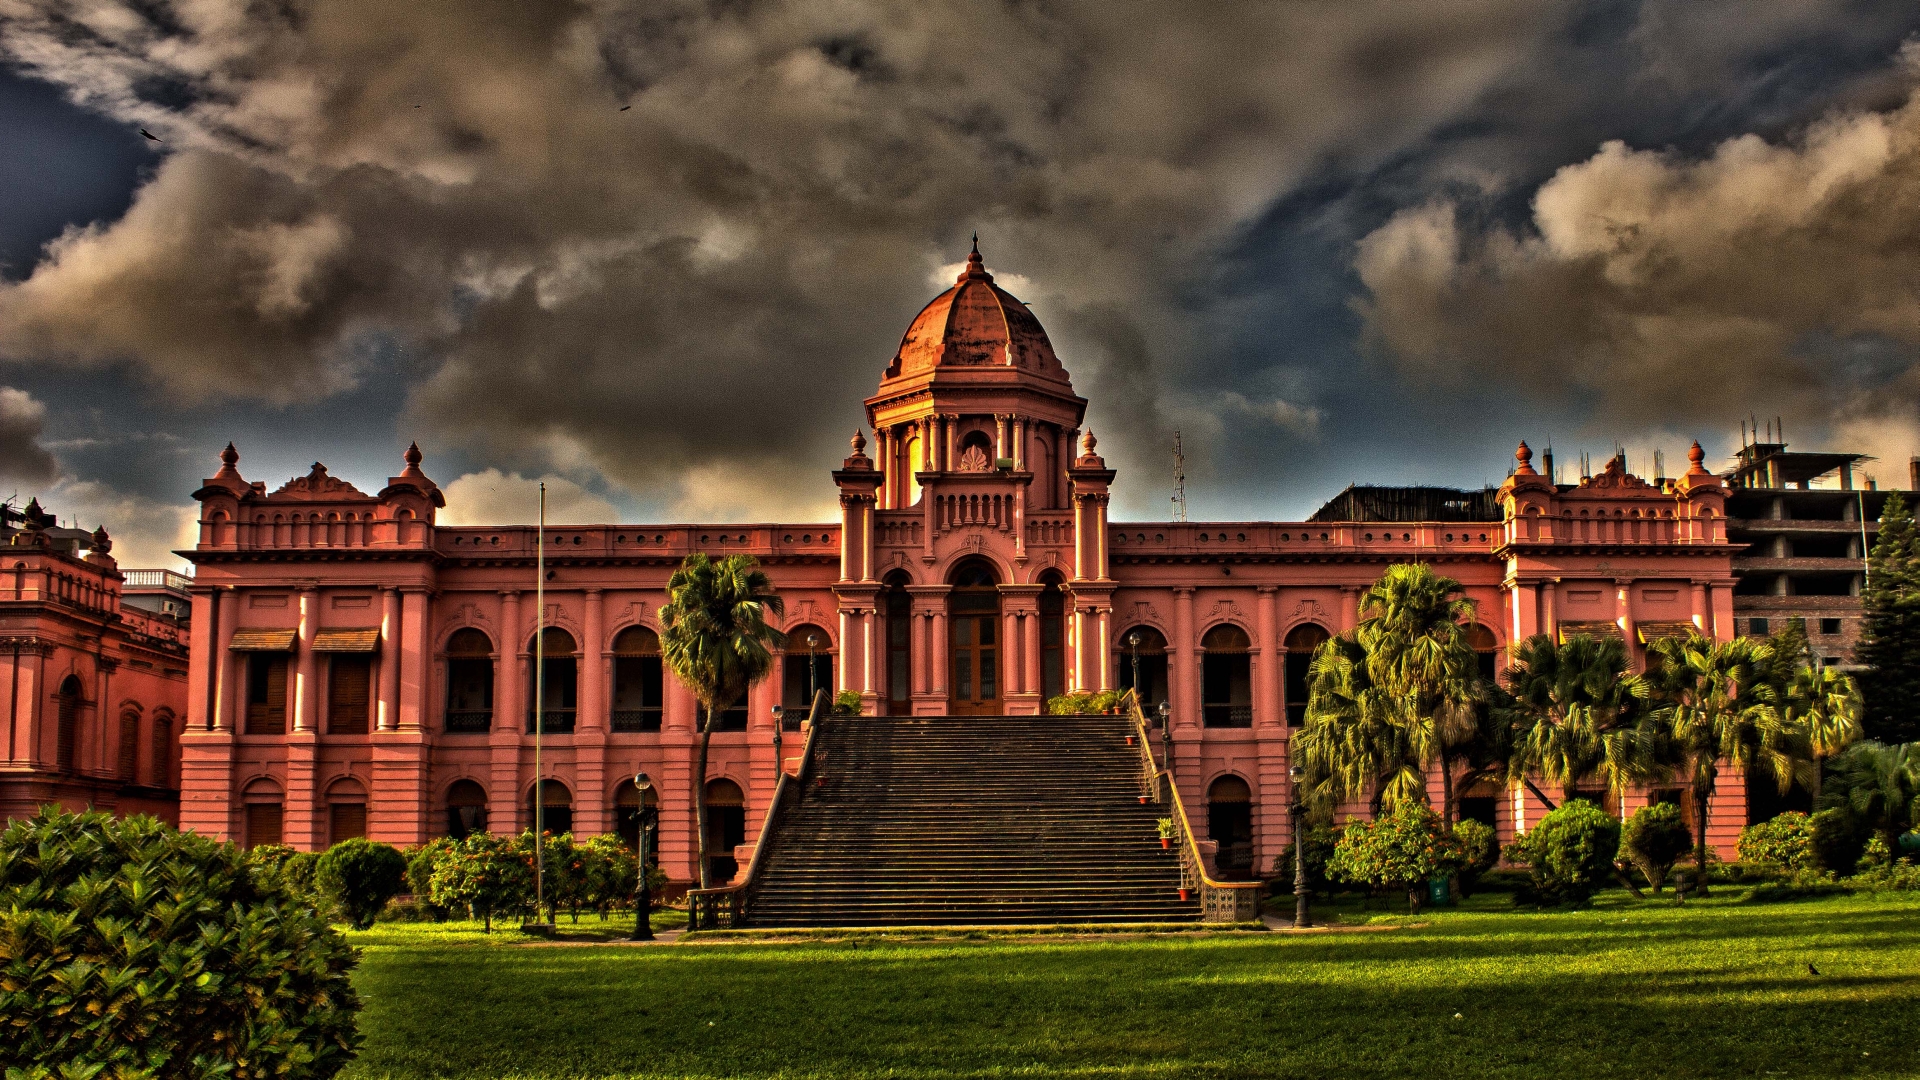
1575	707
1880	785
1352	741
1413	628
1824	705
716	641
1715	703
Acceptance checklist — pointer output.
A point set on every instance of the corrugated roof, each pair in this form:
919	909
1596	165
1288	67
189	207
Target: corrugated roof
1597	628
263	640
354	640
1654	631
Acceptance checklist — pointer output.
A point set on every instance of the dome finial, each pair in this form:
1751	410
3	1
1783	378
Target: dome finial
412	456
229	456
976	269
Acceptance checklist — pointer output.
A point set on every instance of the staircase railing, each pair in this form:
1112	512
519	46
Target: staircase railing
1220	901
726	906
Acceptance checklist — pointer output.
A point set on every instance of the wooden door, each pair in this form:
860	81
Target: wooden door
976	665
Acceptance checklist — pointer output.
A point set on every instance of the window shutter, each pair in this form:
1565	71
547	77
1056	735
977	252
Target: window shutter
263	824
347	695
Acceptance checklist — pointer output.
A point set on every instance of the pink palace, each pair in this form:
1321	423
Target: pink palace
358	669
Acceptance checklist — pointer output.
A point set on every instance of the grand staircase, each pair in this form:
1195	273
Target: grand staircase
968	820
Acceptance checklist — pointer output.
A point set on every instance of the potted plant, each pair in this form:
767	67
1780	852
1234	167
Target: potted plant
1166	831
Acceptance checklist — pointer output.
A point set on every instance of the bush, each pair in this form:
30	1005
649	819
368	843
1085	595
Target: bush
1783	843
847	703
1838	841
1403	849
1569	855
610	871
420	863
1091	703
133	950
1480	846
484	875
360	876
1655	838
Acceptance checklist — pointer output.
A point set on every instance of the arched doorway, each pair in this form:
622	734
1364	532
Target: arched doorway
346	810
726	829
466	809
1053	637
555	809
469	682
897	607
638	684
66	747
560	683
1300	643
806	669
265	805
1145	648
1486	650
974	641
1226	678
1230	824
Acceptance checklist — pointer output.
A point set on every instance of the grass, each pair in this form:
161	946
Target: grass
1718	988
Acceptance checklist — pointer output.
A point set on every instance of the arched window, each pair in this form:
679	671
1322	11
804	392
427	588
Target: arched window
1226	678
638	685
129	745
346	810
555	809
1487	650
560	684
264	804
161	768
726	828
626	811
469	681
1230	824
1300	643
1053	637
807	667
973	639
1040	462
466	809
897	606
1145	649
66	746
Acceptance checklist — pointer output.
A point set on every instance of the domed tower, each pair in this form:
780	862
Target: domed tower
974	555
975	387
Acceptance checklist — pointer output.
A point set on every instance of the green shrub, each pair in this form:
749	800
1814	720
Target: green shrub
1401	850
133	950
1655	838
847	703
360	876
484	875
420	862
609	869
1838	841
1784	843
1090	703
1569	854
1481	848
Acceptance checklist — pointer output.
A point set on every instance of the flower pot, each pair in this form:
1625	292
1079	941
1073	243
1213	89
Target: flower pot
1165	842
1143	800
1129	740
1183	894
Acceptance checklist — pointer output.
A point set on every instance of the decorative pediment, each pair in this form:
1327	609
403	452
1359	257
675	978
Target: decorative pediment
1308	609
317	485
1226	609
1615	477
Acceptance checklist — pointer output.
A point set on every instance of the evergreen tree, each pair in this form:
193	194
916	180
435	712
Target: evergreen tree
1890	639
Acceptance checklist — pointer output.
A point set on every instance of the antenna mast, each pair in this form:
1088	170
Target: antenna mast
1179	480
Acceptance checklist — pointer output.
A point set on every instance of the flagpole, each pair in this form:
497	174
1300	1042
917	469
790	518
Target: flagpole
539	704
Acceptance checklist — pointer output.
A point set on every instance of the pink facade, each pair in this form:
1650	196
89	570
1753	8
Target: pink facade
93	663
973	570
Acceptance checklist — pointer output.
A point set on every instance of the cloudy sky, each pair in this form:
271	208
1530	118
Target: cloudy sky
657	252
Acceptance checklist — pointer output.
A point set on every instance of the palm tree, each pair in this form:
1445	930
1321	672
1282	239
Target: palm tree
1825	707
1575	707
1413	628
716	641
1352	740
1879	784
1715	704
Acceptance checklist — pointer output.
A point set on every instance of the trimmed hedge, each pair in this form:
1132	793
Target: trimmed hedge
1570	853
1784	842
1655	838
130	949
360	876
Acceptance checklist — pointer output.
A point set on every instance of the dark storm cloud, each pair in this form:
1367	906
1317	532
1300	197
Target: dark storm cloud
716	273
22	458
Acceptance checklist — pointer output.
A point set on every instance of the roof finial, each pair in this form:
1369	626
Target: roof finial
412	456
976	243
230	456
1524	455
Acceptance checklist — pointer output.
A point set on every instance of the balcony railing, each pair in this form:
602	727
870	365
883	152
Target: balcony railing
636	719
469	721
553	722
1227	715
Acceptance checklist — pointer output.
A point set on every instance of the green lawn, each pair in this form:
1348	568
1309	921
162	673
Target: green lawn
1624	990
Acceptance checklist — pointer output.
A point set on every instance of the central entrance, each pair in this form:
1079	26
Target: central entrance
974	609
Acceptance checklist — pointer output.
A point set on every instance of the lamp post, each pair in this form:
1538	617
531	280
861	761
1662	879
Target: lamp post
643	893
1133	642
1165	712
1301	917
779	721
813	667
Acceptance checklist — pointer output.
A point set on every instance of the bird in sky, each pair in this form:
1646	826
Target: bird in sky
150	135
624	108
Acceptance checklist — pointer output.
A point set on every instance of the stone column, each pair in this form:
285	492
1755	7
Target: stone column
1180	688
593	665
305	688
940	658
389	703
1702	614
1267	661
947	424
1030	650
226	704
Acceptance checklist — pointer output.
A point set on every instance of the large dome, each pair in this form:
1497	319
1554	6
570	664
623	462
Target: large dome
975	324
